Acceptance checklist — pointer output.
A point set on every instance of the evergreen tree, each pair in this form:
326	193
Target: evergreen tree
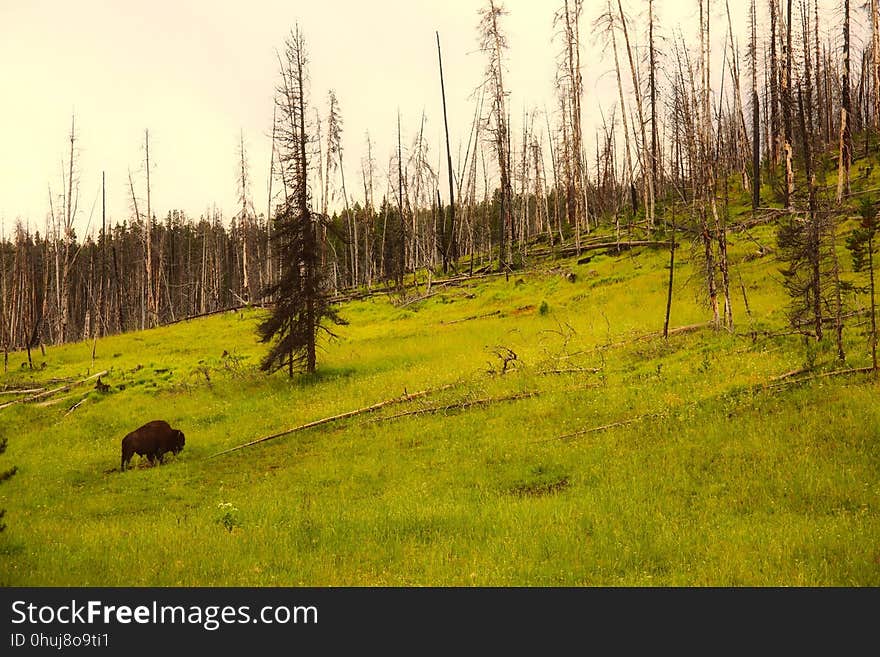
800	243
302	305
861	246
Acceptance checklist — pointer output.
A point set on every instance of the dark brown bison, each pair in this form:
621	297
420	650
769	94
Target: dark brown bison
153	440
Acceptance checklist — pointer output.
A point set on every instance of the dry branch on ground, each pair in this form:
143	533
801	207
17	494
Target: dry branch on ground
467	319
604	427
341	416
485	401
49	393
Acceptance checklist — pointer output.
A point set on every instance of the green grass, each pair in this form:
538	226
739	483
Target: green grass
722	481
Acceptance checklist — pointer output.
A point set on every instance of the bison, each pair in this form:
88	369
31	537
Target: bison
153	440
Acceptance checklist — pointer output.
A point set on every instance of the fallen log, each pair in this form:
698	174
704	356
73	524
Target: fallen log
654	334
54	401
417	299
219	311
49	393
623	245
823	375
467	319
458	405
795	372
781	382
453	280
572	370
20	391
334	418
604	427
457	280
75	406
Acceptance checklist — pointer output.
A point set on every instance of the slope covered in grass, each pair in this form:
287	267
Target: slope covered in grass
601	455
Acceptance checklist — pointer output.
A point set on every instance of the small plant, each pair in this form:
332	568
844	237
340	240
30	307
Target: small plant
706	363
544	308
204	370
816	351
228	516
233	363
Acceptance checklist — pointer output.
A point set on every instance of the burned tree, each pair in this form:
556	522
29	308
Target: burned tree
648	186
152	306
64	236
607	24
786	101
845	150
249	269
494	44
570	90
756	113
450	241
302	303
652	85
335	165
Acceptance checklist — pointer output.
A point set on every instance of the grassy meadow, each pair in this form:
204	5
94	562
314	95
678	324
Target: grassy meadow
602	455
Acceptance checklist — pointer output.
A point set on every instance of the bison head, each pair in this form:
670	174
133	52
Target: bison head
178	441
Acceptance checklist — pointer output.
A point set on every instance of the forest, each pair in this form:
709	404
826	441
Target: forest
796	108
650	361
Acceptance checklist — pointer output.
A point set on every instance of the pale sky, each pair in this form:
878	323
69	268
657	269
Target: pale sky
196	73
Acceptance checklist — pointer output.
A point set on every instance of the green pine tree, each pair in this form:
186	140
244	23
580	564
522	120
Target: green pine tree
861	246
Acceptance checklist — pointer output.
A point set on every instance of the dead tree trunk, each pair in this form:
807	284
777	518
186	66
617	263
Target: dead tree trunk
646	170
786	111
451	232
494	44
152	313
845	148
756	114
652	83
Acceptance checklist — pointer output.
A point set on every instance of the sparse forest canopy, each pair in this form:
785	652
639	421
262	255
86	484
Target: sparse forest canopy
663	140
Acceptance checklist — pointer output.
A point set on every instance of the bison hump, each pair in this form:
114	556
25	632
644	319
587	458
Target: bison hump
156	425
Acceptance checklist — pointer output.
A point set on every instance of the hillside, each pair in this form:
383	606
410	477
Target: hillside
560	441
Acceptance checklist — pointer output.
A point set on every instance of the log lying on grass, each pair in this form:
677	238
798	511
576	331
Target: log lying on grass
417	299
690	328
20	391
467	319
787	378
787	375
48	393
468	403
604	427
622	245
572	370
76	406
775	383
342	416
